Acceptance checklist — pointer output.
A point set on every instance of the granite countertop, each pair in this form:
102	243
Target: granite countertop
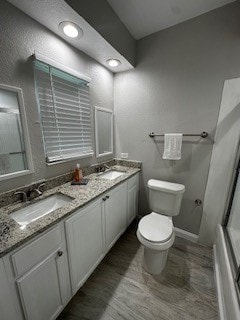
12	235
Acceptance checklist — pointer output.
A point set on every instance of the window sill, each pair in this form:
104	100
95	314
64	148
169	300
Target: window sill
15	174
104	154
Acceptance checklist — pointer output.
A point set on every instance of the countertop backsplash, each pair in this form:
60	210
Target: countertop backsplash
9	197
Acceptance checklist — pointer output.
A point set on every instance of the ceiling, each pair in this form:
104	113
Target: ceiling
141	17
144	17
51	12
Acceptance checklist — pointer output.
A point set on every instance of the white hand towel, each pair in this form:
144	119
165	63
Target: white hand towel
172	146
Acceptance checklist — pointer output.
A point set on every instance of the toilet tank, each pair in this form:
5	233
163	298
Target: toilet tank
165	197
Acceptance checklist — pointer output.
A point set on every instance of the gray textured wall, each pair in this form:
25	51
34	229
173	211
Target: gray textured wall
176	87
20	36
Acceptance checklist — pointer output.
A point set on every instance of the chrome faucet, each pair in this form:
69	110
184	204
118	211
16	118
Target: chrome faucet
24	195
38	191
102	168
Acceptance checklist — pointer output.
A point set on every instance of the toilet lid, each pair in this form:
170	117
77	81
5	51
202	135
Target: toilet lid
155	227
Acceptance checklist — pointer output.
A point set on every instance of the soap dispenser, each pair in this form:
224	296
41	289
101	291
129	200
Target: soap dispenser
78	176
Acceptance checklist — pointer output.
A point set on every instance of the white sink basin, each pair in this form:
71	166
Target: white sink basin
111	175
39	209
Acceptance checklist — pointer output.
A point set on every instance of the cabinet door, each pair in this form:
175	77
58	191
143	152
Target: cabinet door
41	289
115	214
85	242
133	186
7	304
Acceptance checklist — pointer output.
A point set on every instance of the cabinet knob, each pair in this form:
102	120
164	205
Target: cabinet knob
107	197
60	253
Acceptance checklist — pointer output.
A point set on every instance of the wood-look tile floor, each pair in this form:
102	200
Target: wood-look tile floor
121	289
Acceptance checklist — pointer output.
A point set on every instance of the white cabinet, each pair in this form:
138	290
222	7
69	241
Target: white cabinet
115	213
133	187
8	306
35	279
84	231
92	231
42	276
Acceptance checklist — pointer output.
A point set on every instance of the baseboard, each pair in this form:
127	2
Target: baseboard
218	285
186	235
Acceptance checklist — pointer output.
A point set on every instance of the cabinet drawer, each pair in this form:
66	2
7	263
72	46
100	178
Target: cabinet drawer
27	257
133	181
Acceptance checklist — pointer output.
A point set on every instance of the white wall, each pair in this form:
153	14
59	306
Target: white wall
20	36
222	163
177	87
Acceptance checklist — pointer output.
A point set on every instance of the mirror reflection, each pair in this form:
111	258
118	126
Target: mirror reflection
13	156
103	131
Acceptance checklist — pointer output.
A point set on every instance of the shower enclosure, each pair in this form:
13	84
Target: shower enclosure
232	227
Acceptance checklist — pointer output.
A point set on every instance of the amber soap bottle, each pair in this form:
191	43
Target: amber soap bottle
78	176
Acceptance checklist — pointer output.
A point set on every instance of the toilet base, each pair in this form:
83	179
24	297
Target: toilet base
154	261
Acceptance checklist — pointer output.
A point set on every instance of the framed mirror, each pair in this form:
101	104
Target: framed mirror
15	154
103	132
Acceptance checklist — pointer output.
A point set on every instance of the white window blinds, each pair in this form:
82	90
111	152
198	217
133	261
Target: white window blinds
65	112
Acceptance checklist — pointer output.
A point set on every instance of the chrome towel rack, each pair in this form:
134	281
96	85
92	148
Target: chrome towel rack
203	134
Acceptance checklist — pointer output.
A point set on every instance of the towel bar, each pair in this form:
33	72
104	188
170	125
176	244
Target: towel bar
203	134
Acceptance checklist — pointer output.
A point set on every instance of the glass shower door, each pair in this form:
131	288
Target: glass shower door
232	224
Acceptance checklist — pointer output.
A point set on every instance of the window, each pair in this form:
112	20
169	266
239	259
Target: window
65	113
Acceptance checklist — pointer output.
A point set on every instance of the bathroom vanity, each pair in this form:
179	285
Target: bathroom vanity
44	264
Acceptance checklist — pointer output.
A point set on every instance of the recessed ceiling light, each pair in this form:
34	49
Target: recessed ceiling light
71	30
113	63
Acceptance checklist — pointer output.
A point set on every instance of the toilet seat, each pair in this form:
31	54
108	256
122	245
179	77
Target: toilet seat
155	232
155	227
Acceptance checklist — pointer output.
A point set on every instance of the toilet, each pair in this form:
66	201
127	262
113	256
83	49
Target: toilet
155	230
